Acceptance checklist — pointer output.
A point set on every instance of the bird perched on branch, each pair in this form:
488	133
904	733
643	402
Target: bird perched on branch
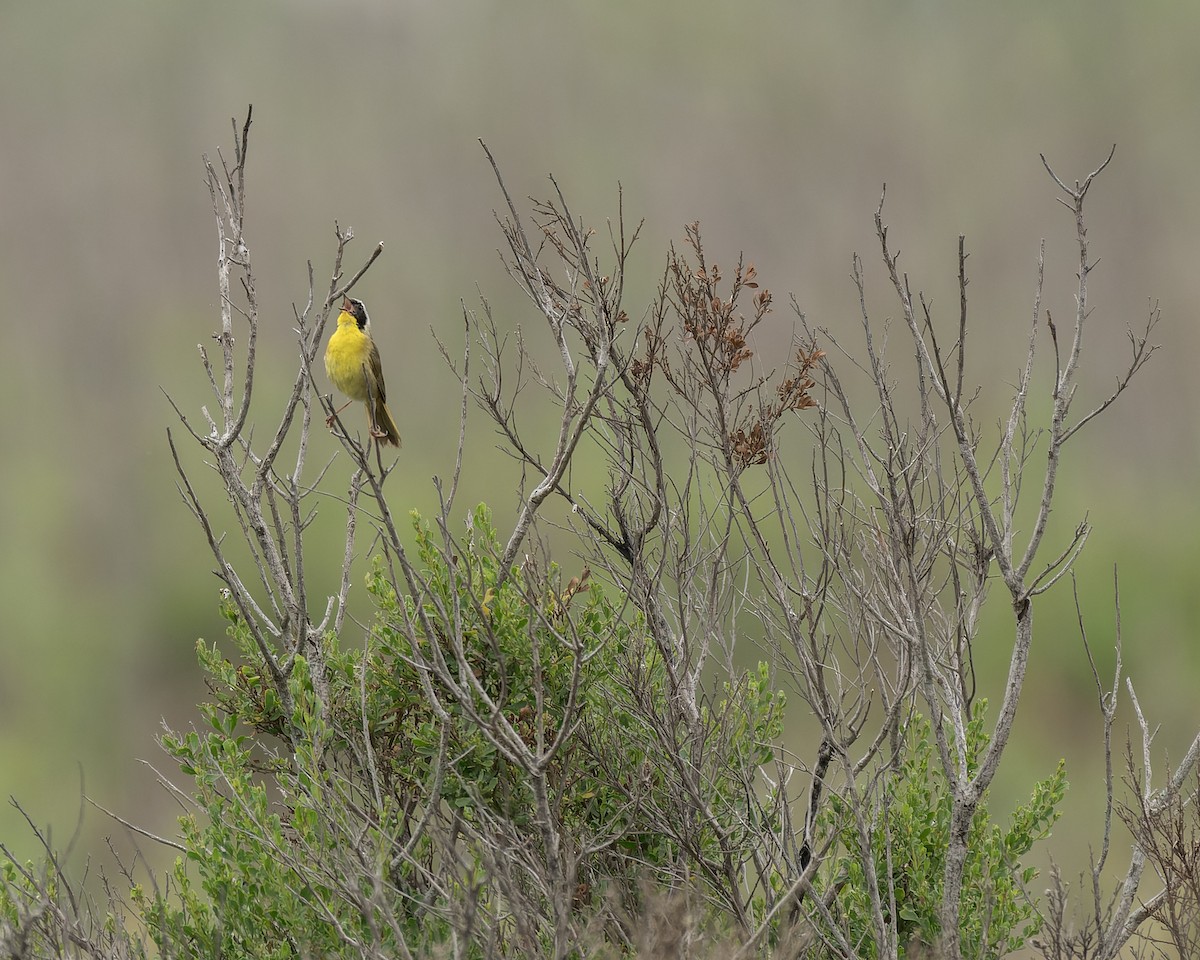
352	363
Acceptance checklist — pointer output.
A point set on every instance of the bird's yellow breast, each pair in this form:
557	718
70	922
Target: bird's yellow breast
346	356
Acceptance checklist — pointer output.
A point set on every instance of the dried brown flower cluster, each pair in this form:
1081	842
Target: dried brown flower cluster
709	318
793	392
751	446
714	344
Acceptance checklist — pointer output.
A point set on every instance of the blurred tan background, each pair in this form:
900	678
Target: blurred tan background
775	124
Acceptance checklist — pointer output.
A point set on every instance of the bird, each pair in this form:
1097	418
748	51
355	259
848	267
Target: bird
353	366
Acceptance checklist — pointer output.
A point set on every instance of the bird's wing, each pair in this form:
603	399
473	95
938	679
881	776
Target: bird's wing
375	369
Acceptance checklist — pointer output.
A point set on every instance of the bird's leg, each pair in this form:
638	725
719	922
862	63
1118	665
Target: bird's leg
372	423
329	419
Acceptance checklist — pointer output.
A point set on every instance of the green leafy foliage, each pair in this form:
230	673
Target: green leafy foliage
357	827
909	837
292	801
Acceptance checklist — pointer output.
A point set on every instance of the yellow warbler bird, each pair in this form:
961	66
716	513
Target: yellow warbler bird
352	363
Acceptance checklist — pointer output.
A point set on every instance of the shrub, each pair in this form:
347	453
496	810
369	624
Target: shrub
518	762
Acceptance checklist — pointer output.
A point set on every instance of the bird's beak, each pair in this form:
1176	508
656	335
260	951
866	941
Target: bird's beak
346	304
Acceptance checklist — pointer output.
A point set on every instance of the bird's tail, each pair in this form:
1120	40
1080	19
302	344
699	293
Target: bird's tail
386	425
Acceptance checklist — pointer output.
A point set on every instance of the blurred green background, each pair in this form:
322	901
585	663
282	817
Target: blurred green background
775	124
